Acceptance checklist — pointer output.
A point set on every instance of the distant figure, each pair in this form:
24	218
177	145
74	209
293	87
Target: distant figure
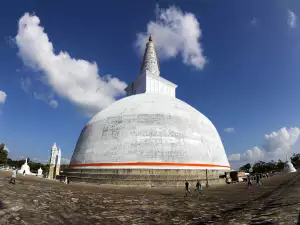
66	180
13	177
187	188
258	180
23	172
249	181
198	188
207	185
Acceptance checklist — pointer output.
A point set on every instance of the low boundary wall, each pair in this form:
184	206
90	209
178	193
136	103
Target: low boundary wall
144	177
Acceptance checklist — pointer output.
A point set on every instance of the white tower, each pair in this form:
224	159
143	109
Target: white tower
59	156
54	152
58	159
54	162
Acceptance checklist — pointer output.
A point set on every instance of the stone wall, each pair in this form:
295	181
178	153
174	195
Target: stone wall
144	177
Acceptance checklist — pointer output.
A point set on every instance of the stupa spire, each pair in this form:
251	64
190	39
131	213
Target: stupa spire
150	60
149	80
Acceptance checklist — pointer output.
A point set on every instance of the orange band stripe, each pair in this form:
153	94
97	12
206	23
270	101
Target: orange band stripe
147	164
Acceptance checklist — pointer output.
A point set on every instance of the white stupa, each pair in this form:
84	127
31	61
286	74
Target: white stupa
289	167
150	129
25	167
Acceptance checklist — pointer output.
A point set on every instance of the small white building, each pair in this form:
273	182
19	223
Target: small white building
40	172
25	169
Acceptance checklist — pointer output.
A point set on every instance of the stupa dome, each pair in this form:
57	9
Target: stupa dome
289	167
25	167
149	130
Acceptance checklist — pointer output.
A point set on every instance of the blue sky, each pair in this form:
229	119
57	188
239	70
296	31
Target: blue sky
250	81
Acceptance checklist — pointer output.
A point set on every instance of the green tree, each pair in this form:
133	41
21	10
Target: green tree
3	154
265	167
245	167
280	165
260	167
295	159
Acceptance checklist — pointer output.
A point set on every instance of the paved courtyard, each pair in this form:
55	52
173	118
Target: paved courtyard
39	201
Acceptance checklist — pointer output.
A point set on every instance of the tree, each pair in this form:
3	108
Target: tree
246	167
3	154
280	165
295	159
260	167
264	167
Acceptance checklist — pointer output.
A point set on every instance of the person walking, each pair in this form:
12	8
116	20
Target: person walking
187	188
249	181
13	177
66	180
198	188
258	183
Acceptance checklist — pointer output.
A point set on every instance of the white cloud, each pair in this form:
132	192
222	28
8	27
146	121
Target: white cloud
48	98
292	19
3	96
175	33
43	161
27	86
64	161
276	145
253	155
250	155
254	21
234	157
229	130
74	79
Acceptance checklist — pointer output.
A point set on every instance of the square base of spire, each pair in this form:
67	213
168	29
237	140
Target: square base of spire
149	83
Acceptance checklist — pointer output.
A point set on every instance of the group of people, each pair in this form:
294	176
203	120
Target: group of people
198	188
257	177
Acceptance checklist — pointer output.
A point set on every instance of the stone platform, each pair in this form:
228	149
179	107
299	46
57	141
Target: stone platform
144	177
41	201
